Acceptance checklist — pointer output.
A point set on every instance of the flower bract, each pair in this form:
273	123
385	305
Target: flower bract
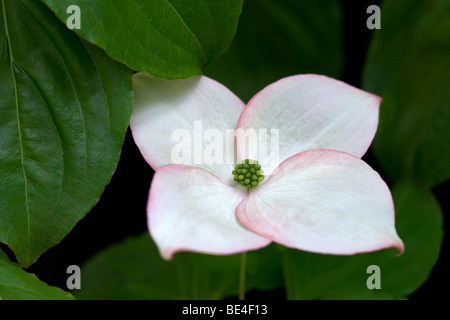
311	191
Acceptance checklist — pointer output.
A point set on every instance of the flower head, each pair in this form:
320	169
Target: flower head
317	194
248	173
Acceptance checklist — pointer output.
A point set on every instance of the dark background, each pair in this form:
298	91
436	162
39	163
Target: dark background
121	211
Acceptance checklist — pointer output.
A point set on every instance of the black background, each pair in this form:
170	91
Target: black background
121	209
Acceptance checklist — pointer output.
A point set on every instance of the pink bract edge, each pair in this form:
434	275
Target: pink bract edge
170	252
250	103
241	207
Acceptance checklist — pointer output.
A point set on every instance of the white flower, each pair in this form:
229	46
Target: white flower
320	197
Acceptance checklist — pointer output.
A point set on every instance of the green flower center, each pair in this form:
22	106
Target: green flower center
248	173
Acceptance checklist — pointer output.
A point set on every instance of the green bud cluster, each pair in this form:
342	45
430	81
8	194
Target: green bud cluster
248	173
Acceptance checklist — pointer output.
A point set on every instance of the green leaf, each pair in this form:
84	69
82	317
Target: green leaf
133	269
409	66
265	268
17	284
276	39
64	110
166	38
419	225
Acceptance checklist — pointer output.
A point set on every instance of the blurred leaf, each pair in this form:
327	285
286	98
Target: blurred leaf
276	39
17	284
409	66
64	110
265	268
169	39
419	225
133	269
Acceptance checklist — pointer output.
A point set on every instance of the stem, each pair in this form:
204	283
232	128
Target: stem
242	276
243	270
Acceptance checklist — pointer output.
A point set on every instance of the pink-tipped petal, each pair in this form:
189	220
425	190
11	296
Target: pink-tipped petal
323	201
190	209
310	112
185	121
